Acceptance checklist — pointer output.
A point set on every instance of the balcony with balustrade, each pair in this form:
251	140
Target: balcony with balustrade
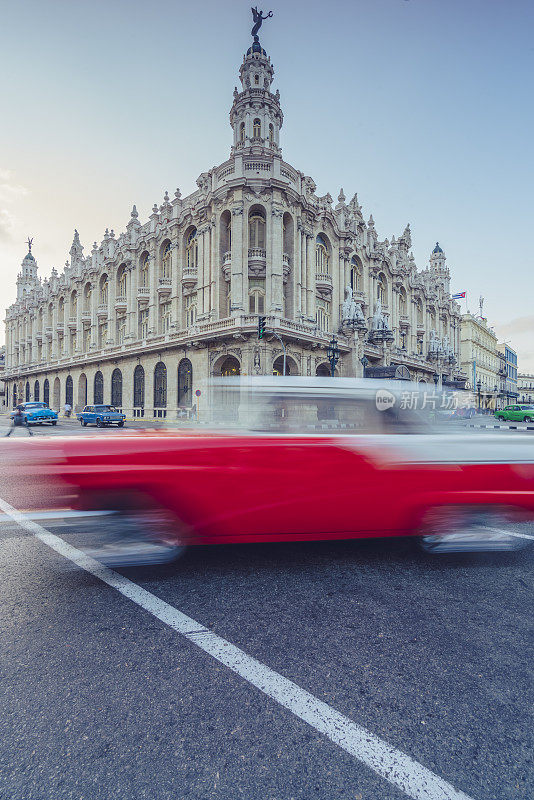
121	303
102	310
323	280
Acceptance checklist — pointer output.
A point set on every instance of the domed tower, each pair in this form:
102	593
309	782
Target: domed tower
438	269
256	116
27	278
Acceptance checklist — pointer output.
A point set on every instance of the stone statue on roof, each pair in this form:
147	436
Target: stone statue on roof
258	18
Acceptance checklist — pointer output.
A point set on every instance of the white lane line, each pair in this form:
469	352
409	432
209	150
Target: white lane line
395	766
508	533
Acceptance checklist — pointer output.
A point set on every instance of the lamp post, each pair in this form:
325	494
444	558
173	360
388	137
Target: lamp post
495	388
365	363
435	378
479	386
332	354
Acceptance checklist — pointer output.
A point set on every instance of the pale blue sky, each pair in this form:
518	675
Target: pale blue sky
423	107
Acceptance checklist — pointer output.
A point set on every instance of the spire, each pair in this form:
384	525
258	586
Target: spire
256	117
27	278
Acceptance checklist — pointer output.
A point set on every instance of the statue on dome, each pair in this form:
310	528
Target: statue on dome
352	313
258	18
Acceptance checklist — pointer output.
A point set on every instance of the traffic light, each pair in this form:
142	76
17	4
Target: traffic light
261	326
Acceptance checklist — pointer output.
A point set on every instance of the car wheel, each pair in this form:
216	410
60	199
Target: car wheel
121	424
84	423
501	419
98	422
469	529
528	419
54	422
136	535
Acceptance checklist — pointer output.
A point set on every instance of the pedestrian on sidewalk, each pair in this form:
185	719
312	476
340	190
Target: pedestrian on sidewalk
68	409
19	421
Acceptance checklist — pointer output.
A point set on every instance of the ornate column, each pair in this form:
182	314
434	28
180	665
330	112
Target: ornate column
112	291
175	288
201	285
153	284
239	259
55	342
94	315
132	304
274	263
79	321
310	277
215	269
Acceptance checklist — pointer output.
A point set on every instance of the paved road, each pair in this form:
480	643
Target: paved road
101	699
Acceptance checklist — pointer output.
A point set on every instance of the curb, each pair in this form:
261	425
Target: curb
504	427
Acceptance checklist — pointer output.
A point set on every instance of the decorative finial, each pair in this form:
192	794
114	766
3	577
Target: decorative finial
29	242
178	194
341	196
106	234
371	222
134	213
112	233
166	197
155	208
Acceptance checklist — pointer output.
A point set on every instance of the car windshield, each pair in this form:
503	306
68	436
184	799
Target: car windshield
527	408
35	405
106	409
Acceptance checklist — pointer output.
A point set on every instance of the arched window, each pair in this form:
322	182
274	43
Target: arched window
355	275
322	315
382	289
36	390
185	383
143	271
98	389
121	282
256	231
230	367
116	388
160	386
139	391
166	261
27	392
256	129
322	258
256	296
73	304
271	134
419	306
191	310
104	289
256	80
61	310
242	132
69	392
46	392
191	250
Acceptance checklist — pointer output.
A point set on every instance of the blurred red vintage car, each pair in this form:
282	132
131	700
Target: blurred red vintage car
297	459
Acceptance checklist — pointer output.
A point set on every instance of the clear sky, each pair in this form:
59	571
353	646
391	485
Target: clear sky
423	107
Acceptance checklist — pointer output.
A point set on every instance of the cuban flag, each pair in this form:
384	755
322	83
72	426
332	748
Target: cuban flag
459	295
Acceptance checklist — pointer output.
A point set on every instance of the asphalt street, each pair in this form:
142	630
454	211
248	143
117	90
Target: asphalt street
101	699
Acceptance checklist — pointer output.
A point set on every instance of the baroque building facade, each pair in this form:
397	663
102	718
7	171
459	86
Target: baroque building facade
148	316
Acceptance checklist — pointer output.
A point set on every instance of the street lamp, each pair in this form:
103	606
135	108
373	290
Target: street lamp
332	354
479	386
365	363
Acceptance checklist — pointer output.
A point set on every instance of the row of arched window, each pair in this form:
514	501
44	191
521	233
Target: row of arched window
256	131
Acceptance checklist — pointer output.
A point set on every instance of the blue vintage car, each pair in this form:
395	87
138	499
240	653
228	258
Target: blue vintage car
35	413
101	415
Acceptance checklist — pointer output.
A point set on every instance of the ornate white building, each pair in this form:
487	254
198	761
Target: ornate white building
148	316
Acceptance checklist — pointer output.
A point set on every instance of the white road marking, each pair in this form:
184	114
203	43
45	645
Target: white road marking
399	769
509	533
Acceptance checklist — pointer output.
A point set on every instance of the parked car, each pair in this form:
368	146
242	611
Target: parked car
101	415
35	413
517	413
297	459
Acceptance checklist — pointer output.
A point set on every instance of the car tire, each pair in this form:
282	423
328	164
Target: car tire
528	419
468	529
138	533
54	422
84	423
501	419
99	422
121	424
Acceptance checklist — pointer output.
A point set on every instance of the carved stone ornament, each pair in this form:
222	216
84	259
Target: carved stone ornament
237	211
